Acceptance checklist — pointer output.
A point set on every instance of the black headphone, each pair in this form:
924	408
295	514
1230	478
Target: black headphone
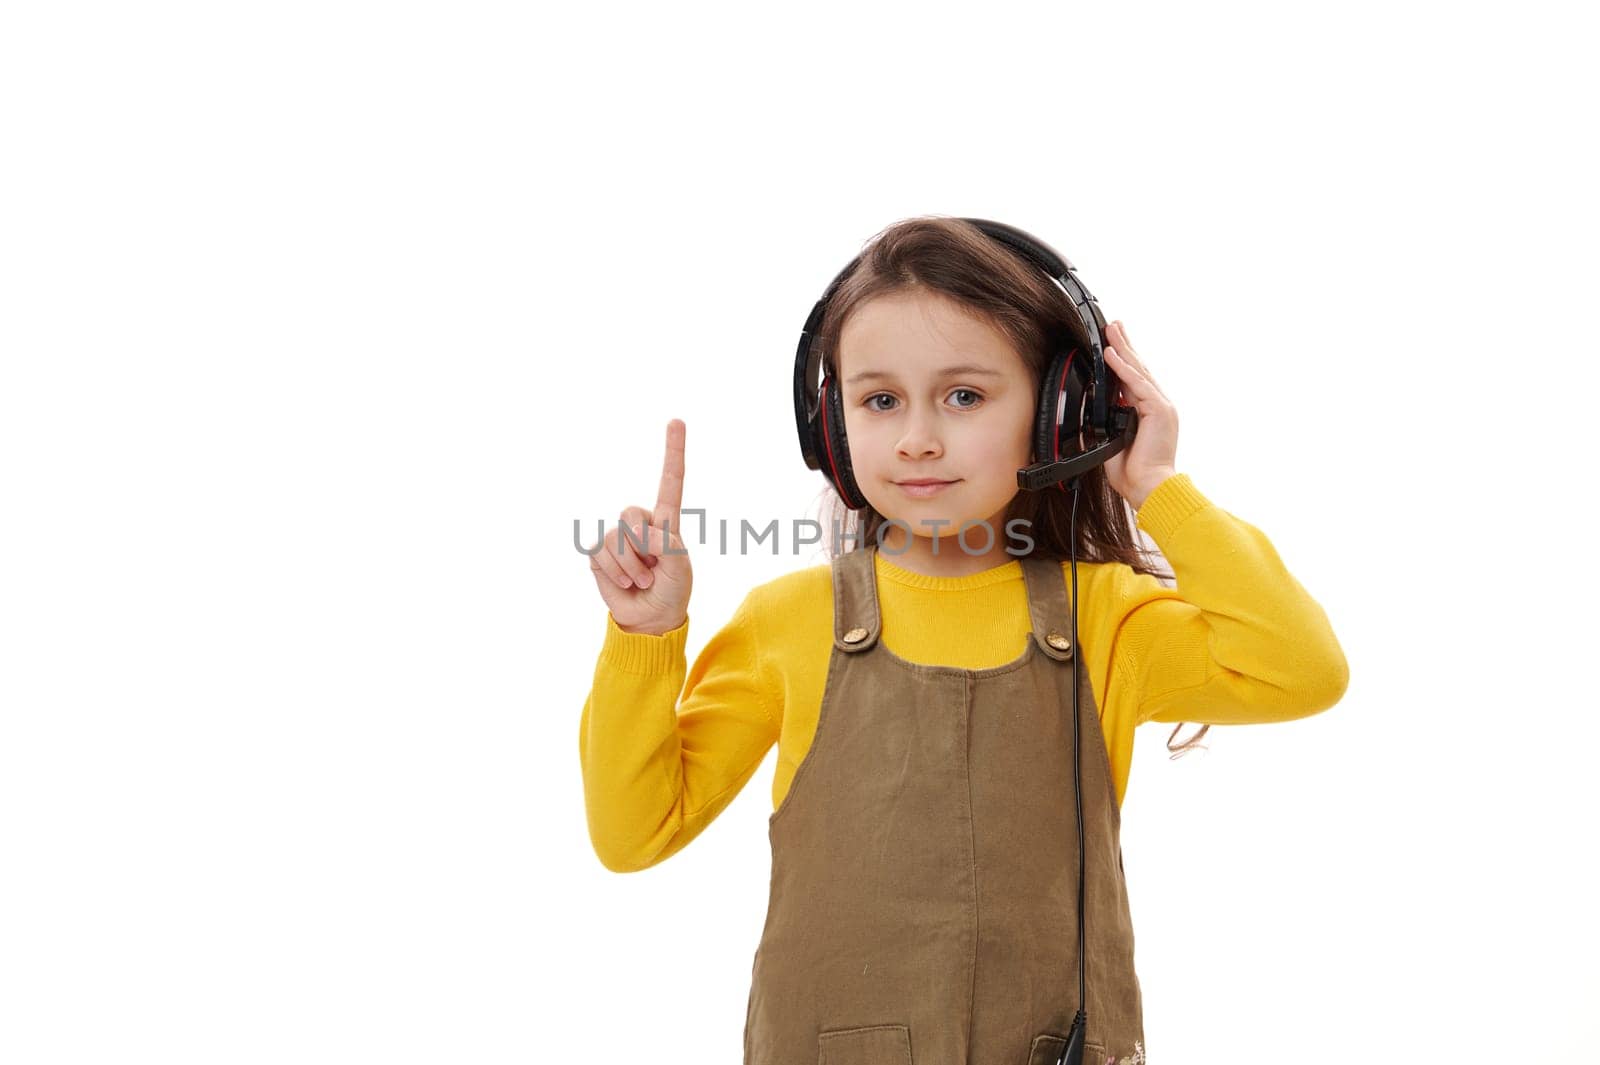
1080	387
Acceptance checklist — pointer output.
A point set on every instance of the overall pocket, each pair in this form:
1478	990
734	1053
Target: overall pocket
1046	1048
882	1044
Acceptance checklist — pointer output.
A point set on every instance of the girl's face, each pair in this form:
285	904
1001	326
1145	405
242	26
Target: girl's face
930	391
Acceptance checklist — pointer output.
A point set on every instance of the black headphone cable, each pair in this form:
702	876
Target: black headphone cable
1072	1052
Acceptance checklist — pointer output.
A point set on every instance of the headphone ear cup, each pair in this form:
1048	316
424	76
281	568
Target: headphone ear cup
836	447
1050	410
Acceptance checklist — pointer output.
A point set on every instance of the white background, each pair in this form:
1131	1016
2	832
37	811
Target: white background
323	322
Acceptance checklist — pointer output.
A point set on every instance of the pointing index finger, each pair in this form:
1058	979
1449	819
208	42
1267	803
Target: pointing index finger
670	498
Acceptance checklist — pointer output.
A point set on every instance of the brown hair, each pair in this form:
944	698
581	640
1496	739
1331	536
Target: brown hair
957	260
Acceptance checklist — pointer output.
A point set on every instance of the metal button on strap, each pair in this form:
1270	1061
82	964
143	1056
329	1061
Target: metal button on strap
855	635
1054	639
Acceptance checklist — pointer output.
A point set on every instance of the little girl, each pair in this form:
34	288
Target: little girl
946	821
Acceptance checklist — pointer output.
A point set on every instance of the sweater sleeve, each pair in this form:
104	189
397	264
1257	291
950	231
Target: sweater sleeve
1239	640
656	769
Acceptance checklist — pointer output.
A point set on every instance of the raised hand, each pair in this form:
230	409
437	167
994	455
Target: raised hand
646	586
1139	469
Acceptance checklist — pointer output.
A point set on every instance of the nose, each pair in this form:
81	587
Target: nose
920	439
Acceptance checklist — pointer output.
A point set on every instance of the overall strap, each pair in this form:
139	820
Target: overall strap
1048	606
856	622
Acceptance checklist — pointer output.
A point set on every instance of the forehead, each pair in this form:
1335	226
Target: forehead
912	332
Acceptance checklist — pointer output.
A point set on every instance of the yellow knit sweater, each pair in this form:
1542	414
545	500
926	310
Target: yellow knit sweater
1239	640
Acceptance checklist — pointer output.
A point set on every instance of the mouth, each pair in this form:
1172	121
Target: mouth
923	487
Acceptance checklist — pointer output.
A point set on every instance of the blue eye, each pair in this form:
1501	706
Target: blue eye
977	399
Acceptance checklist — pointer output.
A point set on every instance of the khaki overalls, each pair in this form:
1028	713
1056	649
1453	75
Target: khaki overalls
923	906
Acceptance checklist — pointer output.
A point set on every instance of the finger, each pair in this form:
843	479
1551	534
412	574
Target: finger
656	544
670	498
1131	355
652	538
1119	337
626	546
637	519
638	540
1130	372
603	562
1133	384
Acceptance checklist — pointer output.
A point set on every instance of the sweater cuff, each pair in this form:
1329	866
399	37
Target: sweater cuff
1169	505
642	653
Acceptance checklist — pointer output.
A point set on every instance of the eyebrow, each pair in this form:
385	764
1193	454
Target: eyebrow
948	371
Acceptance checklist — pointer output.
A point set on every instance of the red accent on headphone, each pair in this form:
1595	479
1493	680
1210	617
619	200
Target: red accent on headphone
1055	399
827	443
